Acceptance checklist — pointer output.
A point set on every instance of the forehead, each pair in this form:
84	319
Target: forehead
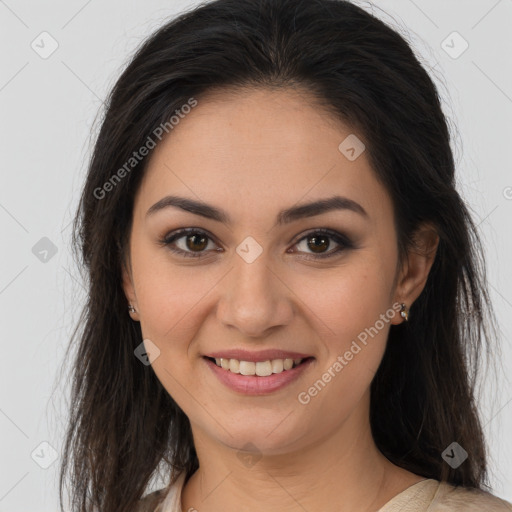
249	149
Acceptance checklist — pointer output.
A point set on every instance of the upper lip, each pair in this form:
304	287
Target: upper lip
262	355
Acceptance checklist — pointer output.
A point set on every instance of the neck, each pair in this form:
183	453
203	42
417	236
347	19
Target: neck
344	472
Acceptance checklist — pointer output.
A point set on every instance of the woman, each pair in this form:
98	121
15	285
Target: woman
286	294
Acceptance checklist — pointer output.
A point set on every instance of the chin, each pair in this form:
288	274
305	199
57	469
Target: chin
259	438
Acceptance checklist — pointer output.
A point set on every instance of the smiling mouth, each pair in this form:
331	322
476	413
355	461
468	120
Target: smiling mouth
259	368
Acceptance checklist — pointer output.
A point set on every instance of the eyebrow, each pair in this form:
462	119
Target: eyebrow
284	216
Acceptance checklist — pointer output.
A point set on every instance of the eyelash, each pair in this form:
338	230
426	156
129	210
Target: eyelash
340	239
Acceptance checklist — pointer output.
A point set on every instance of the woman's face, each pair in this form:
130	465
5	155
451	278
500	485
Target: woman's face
257	280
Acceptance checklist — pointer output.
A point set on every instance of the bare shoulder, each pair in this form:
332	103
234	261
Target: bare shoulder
450	498
151	502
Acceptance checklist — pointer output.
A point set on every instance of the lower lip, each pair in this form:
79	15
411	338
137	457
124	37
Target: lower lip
254	385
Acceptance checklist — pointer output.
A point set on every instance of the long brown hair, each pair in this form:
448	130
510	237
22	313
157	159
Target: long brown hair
123	424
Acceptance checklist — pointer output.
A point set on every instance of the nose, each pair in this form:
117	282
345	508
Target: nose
254	299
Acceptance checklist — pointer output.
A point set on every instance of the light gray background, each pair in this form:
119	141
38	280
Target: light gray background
48	109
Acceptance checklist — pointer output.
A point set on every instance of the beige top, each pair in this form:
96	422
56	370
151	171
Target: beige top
425	496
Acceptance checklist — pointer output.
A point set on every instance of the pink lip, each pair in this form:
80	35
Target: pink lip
254	385
262	355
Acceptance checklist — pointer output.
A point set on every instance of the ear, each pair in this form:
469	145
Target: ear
129	290
416	268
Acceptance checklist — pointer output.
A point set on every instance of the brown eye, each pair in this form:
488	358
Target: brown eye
318	243
188	242
196	242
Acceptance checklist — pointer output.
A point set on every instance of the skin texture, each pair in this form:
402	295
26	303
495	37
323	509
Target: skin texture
252	154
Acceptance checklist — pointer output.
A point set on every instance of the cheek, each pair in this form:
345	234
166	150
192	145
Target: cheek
352	314
355	322
171	301
348	299
167	294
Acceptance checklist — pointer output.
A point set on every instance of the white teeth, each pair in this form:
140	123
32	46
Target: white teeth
288	363
260	368
234	365
247	368
263	369
277	366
